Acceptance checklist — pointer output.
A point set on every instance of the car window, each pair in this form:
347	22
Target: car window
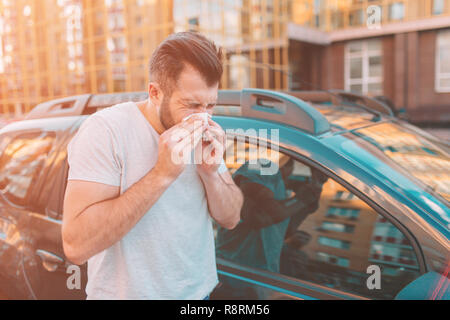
21	163
423	158
300	223
49	199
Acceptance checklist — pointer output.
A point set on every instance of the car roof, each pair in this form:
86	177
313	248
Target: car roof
45	124
315	112
321	115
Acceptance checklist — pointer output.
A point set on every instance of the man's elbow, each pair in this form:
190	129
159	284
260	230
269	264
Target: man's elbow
237	216
234	220
231	224
73	256
71	250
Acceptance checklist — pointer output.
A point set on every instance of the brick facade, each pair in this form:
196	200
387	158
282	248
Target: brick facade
408	72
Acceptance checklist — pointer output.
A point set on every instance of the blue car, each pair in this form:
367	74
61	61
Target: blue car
342	200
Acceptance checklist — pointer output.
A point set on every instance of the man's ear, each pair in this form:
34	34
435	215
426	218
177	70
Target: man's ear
155	94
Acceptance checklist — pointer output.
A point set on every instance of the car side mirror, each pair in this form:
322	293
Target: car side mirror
430	286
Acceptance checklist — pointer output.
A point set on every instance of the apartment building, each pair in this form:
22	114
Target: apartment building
399	49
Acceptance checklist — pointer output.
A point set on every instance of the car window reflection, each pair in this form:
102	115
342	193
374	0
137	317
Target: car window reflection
422	158
274	205
301	224
20	164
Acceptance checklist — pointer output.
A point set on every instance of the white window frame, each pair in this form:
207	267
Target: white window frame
438	4
438	74
396	8
239	71
364	54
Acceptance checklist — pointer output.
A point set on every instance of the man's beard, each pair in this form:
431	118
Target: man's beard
165	115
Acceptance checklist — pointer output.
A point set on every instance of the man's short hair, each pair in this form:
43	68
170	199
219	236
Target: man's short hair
179	49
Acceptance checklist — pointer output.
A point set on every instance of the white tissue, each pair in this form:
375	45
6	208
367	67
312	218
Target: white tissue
203	115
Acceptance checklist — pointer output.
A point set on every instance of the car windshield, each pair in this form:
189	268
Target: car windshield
420	154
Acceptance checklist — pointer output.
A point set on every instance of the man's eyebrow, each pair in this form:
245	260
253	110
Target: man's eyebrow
191	102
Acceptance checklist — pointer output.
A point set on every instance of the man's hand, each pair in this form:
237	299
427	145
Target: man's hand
211	151
175	147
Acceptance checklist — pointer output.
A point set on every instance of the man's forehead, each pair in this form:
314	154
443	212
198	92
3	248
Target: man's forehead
205	95
192	86
200	99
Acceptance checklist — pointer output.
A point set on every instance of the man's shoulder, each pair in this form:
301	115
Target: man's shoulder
121	111
115	117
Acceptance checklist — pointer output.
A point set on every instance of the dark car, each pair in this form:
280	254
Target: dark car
356	205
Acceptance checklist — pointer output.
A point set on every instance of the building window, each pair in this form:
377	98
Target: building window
342	212
438	6
335	243
317	9
239	71
337	227
330	258
396	11
364	67
193	23
343	195
442	82
356	17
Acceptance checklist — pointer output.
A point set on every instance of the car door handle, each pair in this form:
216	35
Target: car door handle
50	261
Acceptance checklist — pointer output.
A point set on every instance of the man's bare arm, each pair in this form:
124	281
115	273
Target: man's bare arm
95	217
224	198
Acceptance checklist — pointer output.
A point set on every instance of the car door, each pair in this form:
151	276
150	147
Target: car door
334	247
24	157
31	179
51	267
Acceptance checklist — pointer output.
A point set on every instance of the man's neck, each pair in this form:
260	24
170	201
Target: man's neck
151	114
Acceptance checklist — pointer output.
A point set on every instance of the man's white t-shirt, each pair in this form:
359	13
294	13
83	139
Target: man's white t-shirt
169	253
